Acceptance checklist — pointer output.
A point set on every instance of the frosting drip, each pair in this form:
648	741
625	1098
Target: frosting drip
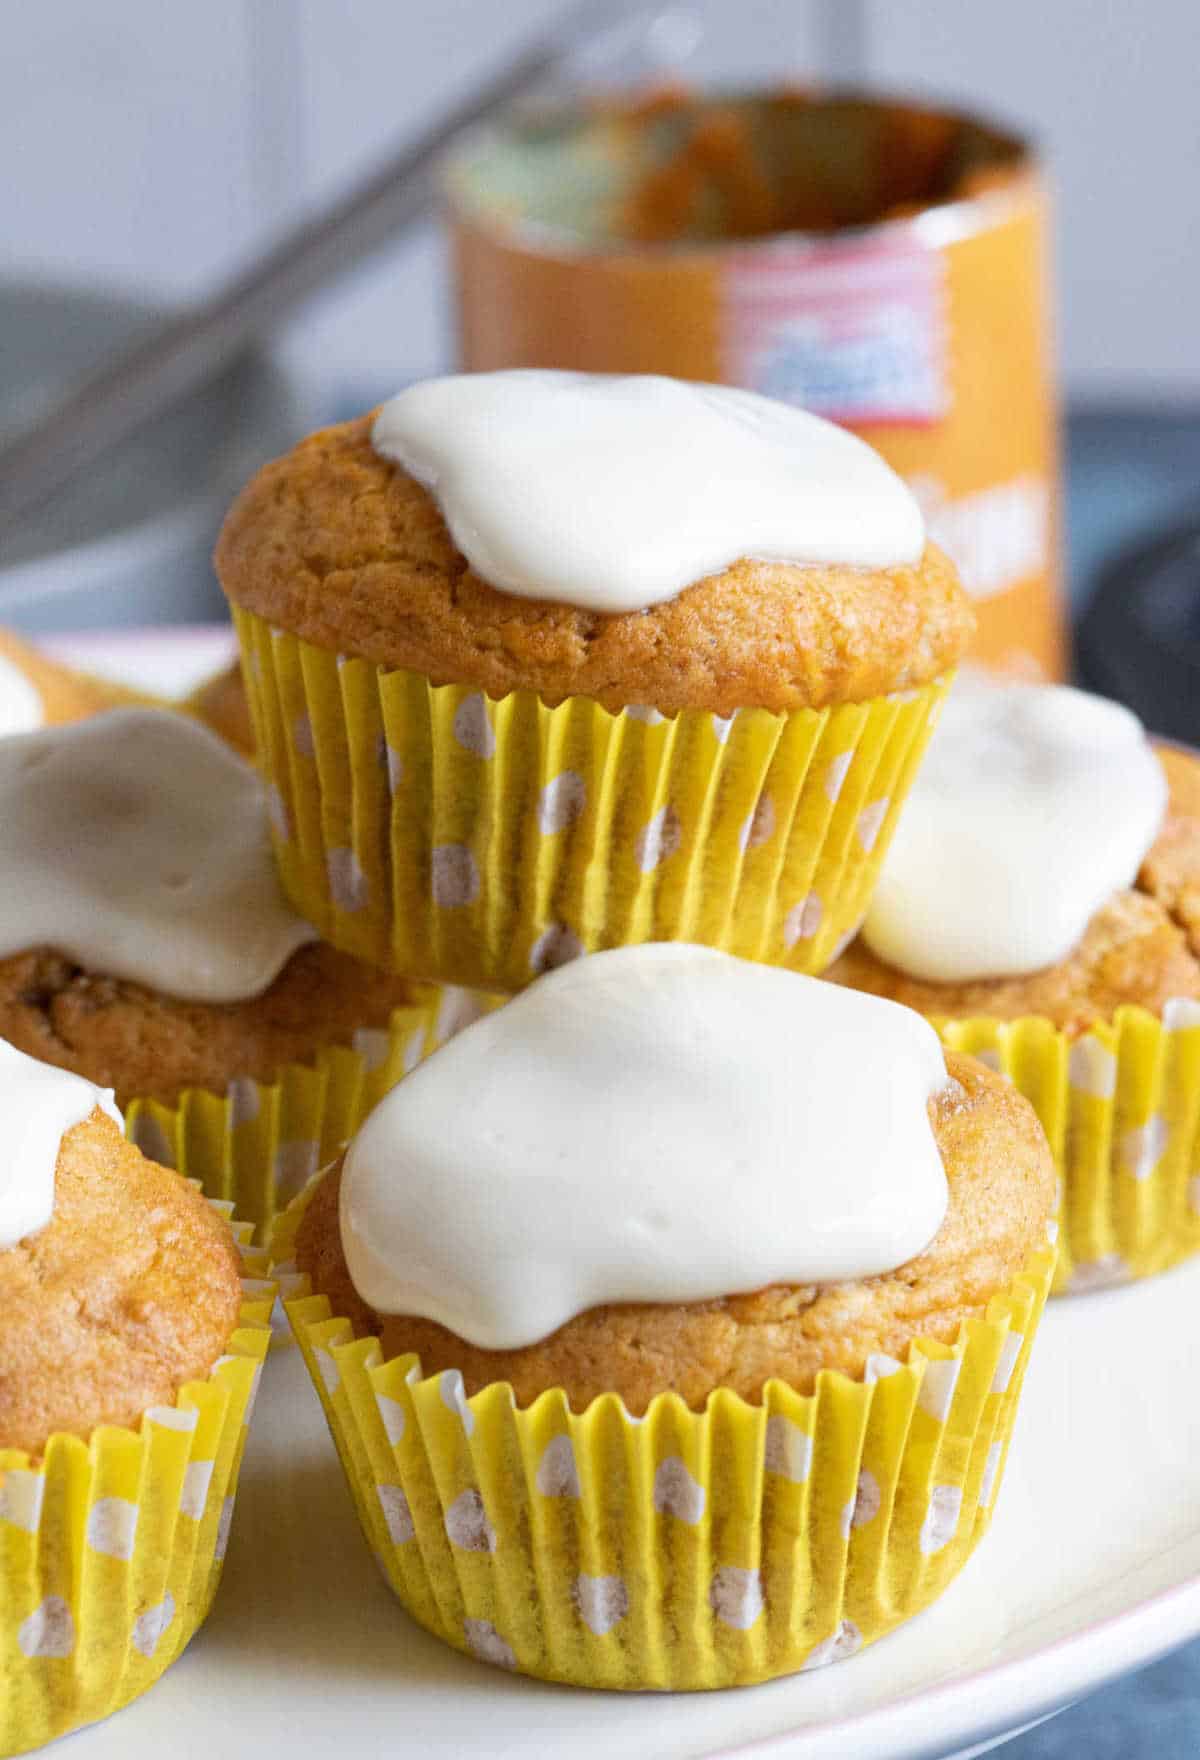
20	705
614	494
1034	804
39	1104
661	1123
136	844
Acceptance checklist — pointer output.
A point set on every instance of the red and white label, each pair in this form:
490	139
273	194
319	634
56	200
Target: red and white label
853	330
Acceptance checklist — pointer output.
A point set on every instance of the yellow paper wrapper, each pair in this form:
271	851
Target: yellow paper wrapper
111	1550
261	1142
1121	1108
684	1549
431	829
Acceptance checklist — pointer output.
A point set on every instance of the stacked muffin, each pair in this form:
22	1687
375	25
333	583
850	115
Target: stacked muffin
543	666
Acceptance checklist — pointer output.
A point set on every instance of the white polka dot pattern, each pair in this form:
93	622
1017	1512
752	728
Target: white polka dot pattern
557	1474
864	1506
485	1642
941	1518
295	1164
937	1387
224	1524
845	1642
21	1496
454	1398
676	1493
393	1418
472	728
277	813
1010	1350
1092	1068
659	839
643	712
802	921
603	1602
870	823
467	1525
788	1450
193	1498
396	1514
373	1045
561	802
347	882
1142	1150
759	827
112	1527
835	774
991	1469
302	736
736	1597
48	1632
454	876
244	1101
149	1627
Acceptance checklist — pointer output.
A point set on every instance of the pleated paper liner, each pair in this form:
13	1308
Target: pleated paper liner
684	1549
111	1550
1121	1108
433	830
259	1144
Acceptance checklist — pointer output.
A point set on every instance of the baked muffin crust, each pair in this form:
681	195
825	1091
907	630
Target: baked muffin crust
1001	1197
131	1290
1142	947
342	547
149	1045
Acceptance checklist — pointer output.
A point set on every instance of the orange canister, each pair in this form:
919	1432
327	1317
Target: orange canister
880	263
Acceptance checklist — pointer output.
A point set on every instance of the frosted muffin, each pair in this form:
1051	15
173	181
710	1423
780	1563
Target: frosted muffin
36	691
1040	907
530	683
145	945
129	1353
670	1332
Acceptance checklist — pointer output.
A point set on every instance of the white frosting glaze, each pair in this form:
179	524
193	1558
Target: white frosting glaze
20	705
617	493
39	1104
662	1123
136	844
1034	804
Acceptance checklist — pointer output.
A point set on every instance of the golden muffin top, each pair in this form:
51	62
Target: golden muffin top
131	1290
343	548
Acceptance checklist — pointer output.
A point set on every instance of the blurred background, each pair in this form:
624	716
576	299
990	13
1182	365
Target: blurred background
155	151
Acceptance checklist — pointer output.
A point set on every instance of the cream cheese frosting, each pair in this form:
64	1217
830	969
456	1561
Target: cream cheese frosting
1034	804
661	1123
39	1104
136	844
21	707
615	493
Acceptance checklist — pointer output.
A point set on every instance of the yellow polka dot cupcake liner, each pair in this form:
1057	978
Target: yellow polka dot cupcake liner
682	1550
1121	1108
258	1144
431	829
111	1550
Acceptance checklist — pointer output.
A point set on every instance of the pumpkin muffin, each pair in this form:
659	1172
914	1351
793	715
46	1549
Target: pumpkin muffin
1001	1179
1101	1043
480	782
669	1488
129	1355
247	1086
132	1289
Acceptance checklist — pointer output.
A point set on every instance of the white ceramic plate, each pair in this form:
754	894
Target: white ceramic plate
1092	1568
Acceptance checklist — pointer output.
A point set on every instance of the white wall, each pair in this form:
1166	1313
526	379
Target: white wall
155	144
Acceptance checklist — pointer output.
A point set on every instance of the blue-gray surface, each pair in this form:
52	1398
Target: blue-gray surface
1154	1715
